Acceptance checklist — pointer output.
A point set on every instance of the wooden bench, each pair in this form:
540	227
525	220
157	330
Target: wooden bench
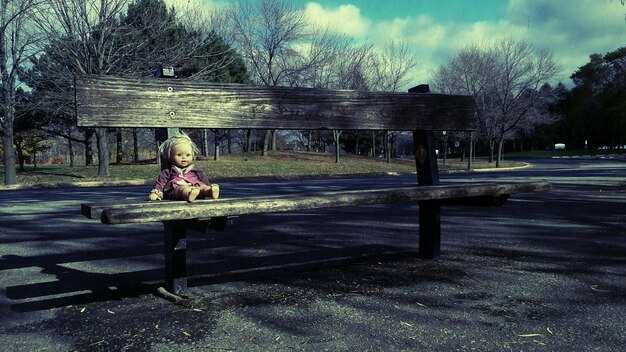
106	101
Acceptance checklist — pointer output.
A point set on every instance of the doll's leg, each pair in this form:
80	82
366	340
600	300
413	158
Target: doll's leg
210	191
177	193
185	193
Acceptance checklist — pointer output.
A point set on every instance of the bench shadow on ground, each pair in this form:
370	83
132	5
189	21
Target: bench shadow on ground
271	246
250	248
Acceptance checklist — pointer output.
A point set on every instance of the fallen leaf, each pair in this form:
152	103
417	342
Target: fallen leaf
406	324
531	335
550	331
186	333
82	310
421	305
598	289
110	311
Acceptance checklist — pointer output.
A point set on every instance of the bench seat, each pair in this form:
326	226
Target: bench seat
461	193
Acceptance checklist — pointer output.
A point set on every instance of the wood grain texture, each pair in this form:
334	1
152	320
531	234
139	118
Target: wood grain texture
177	210
108	101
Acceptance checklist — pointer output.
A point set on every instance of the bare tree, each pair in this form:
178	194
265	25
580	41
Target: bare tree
267	33
504	79
469	72
391	66
17	40
85	37
121	37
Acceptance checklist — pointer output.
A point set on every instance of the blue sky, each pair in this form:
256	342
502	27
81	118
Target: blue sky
435	29
442	10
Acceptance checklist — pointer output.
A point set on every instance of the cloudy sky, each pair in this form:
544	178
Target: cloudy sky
435	29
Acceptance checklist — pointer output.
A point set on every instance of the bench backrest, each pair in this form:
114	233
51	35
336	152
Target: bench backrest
107	101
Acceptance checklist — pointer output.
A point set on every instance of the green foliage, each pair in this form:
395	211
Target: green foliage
228	67
164	41
597	103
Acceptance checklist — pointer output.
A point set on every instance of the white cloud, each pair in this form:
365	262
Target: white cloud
420	31
571	30
345	19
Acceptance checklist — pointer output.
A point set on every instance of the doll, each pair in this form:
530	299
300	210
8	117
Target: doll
181	180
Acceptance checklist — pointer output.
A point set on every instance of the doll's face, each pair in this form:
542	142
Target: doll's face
181	155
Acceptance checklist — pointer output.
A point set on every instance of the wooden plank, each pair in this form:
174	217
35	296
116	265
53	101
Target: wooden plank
177	210
107	101
94	210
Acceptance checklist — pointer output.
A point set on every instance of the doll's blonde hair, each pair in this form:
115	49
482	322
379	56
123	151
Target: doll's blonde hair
179	138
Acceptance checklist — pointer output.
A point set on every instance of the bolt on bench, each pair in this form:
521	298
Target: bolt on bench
107	101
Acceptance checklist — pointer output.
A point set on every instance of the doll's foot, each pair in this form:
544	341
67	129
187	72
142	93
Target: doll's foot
215	191
193	194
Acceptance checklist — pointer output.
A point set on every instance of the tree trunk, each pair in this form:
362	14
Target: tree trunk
19	148
336	137
119	156
10	175
388	147
248	147
216	151
273	140
464	151
373	151
205	142
499	156
135	146
35	157
88	147
470	154
229	141
445	151
308	140
491	147
266	138
70	147
216	145
103	152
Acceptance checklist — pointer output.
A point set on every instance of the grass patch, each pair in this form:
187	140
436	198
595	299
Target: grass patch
276	164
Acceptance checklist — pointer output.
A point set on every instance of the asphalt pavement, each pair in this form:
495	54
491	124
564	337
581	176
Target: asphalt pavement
545	272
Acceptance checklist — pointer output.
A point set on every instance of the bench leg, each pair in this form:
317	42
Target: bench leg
175	257
430	211
430	229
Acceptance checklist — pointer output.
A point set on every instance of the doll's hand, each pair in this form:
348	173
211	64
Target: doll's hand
155	194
